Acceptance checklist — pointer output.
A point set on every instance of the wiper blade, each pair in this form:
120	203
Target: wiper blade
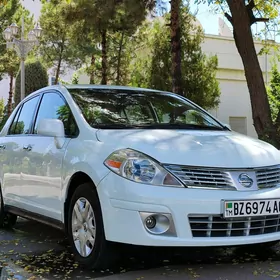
157	126
177	126
113	126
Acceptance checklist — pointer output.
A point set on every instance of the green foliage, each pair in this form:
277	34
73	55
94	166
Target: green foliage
7	12
3	113
273	92
198	70
2	107
11	12
118	20
268	8
36	77
56	47
75	79
109	14
120	54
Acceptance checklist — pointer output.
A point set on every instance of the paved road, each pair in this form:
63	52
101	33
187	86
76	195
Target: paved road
34	251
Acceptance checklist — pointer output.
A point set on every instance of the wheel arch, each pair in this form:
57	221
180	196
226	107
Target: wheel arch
77	179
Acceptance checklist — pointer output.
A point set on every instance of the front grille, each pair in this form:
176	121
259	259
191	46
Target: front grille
217	226
202	177
269	177
215	178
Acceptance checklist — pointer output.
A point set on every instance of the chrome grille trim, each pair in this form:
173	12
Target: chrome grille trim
268	177
219	178
202	177
216	226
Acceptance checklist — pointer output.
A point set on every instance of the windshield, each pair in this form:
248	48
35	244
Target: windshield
115	108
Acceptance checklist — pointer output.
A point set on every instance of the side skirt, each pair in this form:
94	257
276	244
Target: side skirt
35	217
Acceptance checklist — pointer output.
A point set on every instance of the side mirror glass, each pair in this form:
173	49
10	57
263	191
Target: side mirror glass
51	127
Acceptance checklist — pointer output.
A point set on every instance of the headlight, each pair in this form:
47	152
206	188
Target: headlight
140	168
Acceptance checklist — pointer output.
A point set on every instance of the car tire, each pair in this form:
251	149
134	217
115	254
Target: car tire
90	251
7	220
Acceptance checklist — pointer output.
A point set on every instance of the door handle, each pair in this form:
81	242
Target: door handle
2	147
27	147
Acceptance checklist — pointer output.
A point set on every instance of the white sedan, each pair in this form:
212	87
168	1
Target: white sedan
129	165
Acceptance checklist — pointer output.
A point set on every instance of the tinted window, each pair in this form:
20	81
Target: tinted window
23	119
114	108
53	106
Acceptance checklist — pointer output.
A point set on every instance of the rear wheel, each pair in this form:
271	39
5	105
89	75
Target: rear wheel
7	220
86	230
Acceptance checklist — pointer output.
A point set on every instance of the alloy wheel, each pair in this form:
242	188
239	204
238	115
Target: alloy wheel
83	227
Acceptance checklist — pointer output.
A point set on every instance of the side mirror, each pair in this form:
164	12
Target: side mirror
51	127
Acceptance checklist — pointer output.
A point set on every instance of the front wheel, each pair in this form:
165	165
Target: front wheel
7	220
86	230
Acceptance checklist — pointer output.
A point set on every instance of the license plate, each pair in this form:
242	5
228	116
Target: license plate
249	208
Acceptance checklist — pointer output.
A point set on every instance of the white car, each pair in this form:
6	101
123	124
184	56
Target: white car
129	165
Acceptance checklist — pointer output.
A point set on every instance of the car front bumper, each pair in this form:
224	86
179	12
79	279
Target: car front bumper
126	204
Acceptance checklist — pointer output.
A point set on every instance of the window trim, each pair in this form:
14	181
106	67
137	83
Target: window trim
12	122
38	108
20	110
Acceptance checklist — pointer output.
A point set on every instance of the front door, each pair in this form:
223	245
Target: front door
45	159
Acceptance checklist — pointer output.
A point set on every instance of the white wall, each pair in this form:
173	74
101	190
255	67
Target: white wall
235	99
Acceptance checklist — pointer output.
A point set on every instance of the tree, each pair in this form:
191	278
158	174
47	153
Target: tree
56	45
101	17
175	31
7	11
9	60
274	93
153	70
242	15
36	77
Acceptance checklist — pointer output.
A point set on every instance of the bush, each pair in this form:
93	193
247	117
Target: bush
36	77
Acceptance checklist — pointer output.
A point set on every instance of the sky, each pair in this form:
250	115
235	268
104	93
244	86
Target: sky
207	18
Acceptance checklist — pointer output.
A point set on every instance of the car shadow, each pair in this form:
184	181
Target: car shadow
51	254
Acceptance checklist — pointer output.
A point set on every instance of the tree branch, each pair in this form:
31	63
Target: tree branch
261	20
229	18
251	15
251	4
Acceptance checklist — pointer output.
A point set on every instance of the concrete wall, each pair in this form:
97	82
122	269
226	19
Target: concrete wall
235	99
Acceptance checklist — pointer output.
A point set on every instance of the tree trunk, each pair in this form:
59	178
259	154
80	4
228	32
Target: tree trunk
104	56
59	62
92	68
176	46
245	45
57	71
10	99
119	60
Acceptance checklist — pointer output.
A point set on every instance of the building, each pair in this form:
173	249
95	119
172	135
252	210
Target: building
235	105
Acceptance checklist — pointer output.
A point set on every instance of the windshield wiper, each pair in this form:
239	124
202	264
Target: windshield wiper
157	126
113	126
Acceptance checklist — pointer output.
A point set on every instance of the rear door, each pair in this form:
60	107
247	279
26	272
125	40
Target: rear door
13	154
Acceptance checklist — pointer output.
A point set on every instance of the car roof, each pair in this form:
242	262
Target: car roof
61	88
109	87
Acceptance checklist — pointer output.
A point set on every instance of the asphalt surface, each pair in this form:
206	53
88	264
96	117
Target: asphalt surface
35	251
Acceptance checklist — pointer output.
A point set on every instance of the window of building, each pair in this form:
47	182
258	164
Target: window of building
238	124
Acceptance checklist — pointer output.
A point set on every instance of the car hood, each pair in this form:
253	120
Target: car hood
196	148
